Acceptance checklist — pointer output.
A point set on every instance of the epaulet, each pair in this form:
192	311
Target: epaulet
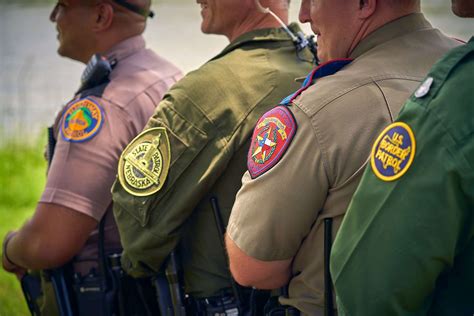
323	70
275	129
440	72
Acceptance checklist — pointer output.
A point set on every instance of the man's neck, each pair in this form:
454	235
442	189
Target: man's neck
373	24
256	22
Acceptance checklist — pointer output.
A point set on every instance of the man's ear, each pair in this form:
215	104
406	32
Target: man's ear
367	8
104	16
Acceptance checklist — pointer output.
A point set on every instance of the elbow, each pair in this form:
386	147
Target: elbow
240	272
244	278
55	258
249	271
260	278
260	274
41	255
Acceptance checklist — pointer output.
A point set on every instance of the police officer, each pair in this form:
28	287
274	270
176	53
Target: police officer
406	246
183	171
119	92
307	155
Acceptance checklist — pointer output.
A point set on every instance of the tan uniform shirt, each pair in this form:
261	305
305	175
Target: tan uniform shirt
279	214
82	172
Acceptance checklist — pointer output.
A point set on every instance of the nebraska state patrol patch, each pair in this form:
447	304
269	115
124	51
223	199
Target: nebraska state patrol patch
144	164
393	152
270	140
81	121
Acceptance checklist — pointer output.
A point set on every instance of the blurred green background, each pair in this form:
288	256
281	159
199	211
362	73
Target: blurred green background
22	179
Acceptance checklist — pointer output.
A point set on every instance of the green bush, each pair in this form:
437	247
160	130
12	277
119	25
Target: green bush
22	178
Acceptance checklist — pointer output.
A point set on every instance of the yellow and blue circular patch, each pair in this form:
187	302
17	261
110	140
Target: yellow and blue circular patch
81	121
393	152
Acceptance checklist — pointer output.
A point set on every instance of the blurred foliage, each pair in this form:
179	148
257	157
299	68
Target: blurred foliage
22	178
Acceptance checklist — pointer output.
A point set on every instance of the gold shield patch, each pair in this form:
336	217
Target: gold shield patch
145	162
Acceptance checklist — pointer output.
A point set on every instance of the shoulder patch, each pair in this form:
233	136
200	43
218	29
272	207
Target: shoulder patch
393	152
145	162
271	138
81	121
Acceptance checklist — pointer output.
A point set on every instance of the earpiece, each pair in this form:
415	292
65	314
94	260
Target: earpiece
299	39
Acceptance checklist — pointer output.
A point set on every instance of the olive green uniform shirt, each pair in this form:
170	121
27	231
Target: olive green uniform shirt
208	116
279	215
406	247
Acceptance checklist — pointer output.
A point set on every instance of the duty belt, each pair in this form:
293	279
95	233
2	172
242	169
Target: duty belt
225	305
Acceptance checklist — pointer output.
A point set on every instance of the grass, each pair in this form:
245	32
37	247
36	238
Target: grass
22	178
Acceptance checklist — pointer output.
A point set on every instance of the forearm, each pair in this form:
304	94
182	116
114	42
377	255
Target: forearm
51	238
27	249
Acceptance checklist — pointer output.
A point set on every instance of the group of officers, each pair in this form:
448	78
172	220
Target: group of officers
222	192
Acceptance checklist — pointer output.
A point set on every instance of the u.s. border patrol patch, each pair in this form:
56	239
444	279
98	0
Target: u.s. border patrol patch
393	152
270	140
144	164
81	121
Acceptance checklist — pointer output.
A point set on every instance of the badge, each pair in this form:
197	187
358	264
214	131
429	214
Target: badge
270	140
81	121
145	162
393	152
424	88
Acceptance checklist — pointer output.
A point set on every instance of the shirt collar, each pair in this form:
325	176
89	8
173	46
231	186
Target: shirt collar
399	27
261	35
126	48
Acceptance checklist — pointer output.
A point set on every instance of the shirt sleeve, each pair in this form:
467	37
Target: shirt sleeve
399	237
151	226
82	172
275	211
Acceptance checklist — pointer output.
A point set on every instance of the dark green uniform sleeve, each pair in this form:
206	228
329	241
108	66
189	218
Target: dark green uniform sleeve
150	226
406	247
207	118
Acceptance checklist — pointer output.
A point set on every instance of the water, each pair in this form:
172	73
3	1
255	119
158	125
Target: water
35	82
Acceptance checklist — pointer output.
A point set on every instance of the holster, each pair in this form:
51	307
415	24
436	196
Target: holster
252	303
225	304
31	286
274	308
